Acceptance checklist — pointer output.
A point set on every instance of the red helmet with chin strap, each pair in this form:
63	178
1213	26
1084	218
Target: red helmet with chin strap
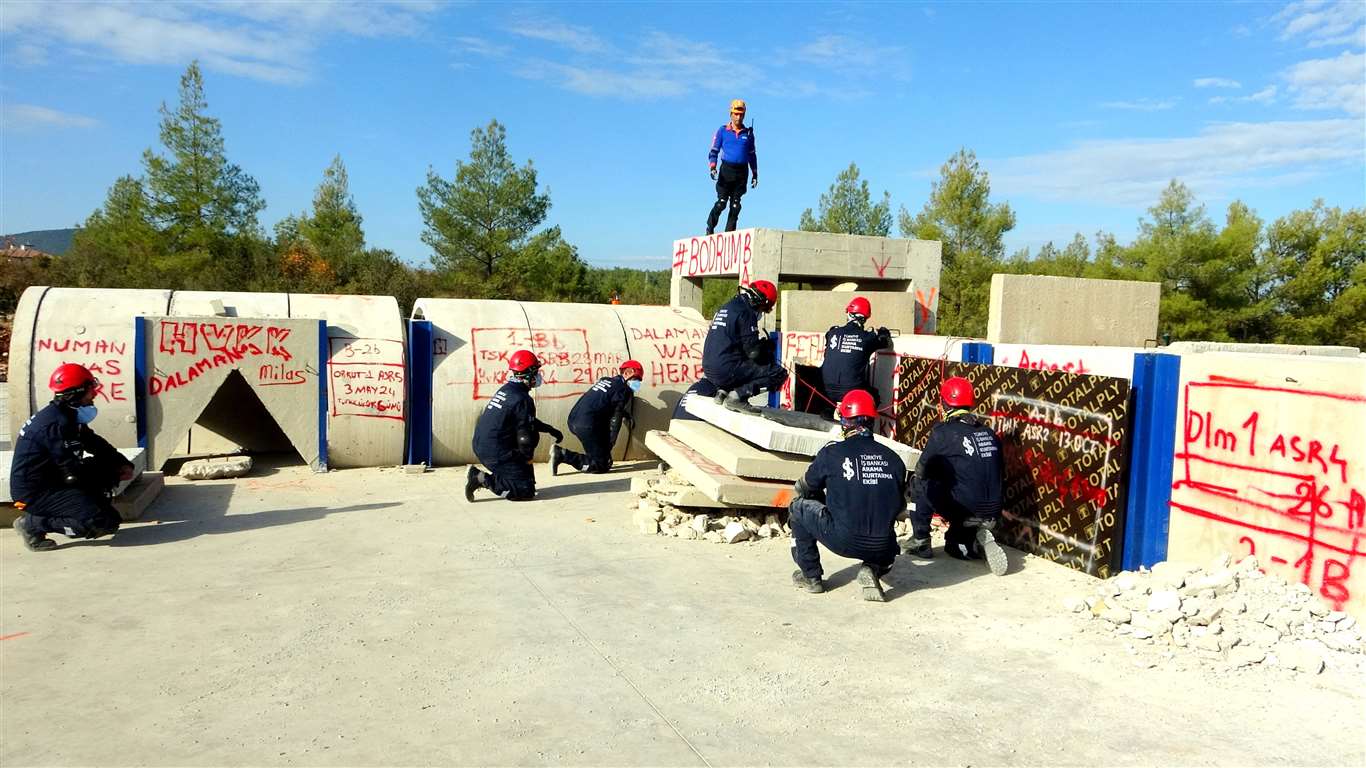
523	361
857	403
69	376
957	392
859	306
633	366
761	294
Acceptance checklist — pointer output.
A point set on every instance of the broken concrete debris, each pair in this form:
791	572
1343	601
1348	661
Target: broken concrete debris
1227	613
216	468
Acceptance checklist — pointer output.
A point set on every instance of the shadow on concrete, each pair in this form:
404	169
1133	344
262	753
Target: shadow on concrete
210	522
262	464
567	490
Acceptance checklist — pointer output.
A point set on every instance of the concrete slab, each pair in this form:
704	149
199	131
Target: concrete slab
1038	309
139	495
712	479
735	455
351	618
773	436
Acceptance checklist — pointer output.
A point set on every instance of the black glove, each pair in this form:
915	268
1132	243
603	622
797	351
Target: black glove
713	174
555	433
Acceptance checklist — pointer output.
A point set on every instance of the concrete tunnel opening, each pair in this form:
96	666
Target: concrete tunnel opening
236	421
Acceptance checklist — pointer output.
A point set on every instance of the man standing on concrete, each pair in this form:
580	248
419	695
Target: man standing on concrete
863	484
507	432
62	471
733	144
596	420
734	356
959	478
849	353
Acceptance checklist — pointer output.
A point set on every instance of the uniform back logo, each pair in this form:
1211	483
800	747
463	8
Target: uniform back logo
848	469
967	447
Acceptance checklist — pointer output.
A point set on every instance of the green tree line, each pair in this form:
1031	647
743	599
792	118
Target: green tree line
190	221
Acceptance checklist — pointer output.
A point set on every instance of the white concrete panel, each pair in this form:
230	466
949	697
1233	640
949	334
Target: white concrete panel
234	304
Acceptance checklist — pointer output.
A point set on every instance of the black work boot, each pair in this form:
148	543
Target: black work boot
872	586
738	401
474	480
34	541
918	548
814	586
556	459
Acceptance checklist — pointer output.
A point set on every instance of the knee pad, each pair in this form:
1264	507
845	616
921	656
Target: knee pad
735	204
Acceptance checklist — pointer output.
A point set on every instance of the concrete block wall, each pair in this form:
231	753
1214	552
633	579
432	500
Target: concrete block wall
1034	309
819	310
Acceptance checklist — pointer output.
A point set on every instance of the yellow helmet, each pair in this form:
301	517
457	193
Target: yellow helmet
737	105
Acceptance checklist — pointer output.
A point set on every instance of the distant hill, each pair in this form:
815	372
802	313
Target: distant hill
54	241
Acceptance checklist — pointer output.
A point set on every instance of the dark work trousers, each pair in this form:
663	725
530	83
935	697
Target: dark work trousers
597	451
731	180
748	379
961	522
811	522
513	480
75	512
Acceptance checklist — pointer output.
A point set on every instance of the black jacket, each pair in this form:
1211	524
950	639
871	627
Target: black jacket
963	459
603	406
864	483
848	350
48	455
508	430
733	338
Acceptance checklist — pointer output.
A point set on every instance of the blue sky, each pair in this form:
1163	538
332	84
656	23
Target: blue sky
1081	113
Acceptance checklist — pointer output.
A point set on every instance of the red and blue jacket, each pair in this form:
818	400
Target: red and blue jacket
734	146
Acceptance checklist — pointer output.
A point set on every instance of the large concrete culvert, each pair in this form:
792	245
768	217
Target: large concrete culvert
365	404
579	343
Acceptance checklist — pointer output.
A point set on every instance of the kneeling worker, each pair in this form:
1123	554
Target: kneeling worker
596	420
59	489
863	483
507	432
849	350
959	478
734	356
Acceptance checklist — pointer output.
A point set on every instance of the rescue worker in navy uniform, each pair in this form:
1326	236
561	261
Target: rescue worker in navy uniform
863	484
506	435
699	388
849	352
959	478
60	488
734	356
596	420
733	145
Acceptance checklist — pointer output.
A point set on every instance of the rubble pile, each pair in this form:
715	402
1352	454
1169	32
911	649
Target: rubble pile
1225	613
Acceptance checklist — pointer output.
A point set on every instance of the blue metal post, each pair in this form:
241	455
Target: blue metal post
140	377
420	366
324	370
978	352
1156	382
775	399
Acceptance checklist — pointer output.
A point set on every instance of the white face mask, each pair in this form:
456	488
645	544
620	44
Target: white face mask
86	413
634	384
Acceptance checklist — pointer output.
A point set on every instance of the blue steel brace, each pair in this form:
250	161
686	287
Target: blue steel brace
775	399
978	352
324	370
420	392
1152	437
140	377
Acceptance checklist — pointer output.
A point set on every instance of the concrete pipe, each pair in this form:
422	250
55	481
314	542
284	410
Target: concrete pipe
94	327
579	343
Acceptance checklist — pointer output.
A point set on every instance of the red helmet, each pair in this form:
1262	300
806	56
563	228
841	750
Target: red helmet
857	403
633	365
859	306
69	376
523	361
761	294
956	391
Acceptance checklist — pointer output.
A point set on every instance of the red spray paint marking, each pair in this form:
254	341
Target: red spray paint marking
923	305
11	637
881	268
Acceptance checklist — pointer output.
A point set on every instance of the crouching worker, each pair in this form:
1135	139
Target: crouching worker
507	433
959	478
864	487
735	357
596	420
62	471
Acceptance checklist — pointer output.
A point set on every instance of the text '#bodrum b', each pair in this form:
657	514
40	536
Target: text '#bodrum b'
1064	437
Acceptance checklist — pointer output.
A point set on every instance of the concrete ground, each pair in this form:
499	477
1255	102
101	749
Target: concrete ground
367	617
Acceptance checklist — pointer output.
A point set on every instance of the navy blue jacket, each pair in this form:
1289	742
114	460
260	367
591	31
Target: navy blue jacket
603	405
700	388
864	483
49	450
507	430
848	350
734	146
732	339
963	459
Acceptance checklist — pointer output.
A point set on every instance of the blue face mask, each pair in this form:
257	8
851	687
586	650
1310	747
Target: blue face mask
539	380
634	384
86	413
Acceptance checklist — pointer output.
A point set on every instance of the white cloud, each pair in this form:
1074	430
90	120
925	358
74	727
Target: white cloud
571	36
1337	83
482	47
1216	82
597	81
1140	105
1223	157
30	117
260	40
1319	23
1264	96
